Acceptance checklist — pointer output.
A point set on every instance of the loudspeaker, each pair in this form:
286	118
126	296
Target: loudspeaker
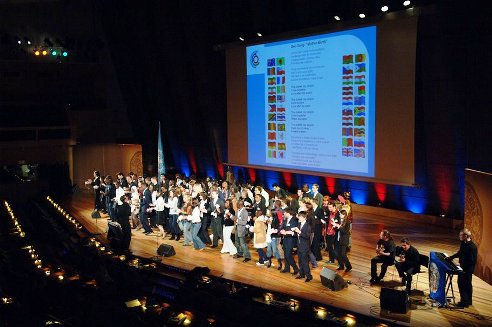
332	280
95	214
166	250
393	300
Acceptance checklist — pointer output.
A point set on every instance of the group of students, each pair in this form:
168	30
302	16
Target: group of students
277	224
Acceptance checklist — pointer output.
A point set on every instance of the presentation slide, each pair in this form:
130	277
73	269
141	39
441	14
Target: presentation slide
311	103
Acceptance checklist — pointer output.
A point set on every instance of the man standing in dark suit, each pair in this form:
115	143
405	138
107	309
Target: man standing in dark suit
342	235
109	195
216	211
279	192
408	262
96	185
467	255
121	178
123	212
318	197
145	202
303	231
289	240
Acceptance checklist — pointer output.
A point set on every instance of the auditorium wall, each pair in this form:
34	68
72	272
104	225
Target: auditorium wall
108	159
478	211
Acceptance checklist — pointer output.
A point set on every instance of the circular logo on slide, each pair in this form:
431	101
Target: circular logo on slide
254	59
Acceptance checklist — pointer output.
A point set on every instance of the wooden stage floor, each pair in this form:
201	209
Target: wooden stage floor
359	297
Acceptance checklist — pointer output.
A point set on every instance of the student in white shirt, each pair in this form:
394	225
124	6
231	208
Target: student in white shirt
159	209
196	223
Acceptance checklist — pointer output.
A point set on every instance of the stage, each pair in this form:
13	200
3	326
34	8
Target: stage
359	297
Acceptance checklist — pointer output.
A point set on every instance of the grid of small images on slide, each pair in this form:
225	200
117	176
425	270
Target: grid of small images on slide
276	108
354	106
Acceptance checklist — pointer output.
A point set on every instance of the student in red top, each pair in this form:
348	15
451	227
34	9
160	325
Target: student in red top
331	213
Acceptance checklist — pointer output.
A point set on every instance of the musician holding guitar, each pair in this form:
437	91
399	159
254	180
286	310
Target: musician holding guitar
407	263
467	255
385	254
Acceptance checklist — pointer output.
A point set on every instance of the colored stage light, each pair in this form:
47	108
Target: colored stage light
37	53
65	53
44	52
54	53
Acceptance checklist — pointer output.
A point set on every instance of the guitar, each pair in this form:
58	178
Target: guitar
380	249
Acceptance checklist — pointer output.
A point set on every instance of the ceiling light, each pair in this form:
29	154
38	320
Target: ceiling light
384	8
362	16
336	18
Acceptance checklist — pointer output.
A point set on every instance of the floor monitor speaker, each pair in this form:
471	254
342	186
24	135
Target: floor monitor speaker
332	280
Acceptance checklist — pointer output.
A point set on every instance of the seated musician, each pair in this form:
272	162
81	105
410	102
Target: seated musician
467	255
385	254
407	262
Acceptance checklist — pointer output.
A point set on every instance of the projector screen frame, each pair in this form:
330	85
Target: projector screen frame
234	133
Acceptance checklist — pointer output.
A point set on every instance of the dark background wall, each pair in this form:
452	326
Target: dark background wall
161	66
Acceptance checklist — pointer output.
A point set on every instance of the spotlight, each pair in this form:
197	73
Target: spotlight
65	53
350	319
54	53
37	53
27	40
7	300
362	16
336	17
19	41
259	34
241	39
384	8
406	3
44	53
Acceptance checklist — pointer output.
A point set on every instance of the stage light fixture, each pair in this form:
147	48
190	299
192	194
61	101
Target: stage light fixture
44	53
336	17
259	34
27	40
65	54
54	53
406	3
37	53
19	41
241	39
384	8
361	15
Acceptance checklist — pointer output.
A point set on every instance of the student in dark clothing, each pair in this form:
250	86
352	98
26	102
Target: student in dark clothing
303	232
342	235
408	262
123	212
467	255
